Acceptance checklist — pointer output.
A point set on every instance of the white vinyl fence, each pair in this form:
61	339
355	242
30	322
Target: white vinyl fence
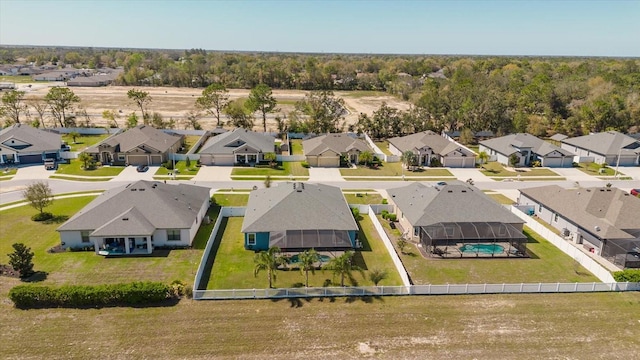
392	251
587	262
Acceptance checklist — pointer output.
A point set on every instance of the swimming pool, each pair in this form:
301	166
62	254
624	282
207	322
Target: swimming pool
482	248
323	258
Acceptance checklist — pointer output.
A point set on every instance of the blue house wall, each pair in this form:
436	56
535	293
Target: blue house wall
262	242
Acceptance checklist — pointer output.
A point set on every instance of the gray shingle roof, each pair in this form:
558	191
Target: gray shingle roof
506	145
336	142
605	143
611	209
558	137
298	206
428	138
141	135
146	204
40	140
228	142
424	205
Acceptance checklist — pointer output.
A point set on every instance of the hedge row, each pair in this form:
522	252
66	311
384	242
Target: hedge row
629	275
136	293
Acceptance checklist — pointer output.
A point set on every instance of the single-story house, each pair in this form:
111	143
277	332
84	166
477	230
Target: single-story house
24	144
299	216
141	145
611	147
326	150
528	148
457	219
605	220
56	75
239	146
135	218
428	146
477	136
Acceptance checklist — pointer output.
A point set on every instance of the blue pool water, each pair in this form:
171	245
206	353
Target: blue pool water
323	258
482	248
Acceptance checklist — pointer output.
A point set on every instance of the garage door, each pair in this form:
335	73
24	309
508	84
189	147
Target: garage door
552	162
51	155
156	159
224	160
138	159
454	163
31	159
329	161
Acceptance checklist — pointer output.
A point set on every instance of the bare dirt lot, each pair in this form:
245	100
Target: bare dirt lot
174	102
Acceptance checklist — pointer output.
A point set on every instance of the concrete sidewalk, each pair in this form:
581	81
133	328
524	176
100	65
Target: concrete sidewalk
463	174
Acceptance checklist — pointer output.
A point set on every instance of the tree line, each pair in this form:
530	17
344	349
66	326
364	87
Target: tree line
540	96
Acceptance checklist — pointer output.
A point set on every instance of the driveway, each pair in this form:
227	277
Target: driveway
633	171
325	175
33	172
214	173
572	174
463	174
130	173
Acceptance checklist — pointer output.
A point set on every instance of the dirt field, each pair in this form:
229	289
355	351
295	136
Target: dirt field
176	102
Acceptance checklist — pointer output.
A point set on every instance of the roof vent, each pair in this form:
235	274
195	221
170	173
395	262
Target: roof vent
141	189
464	191
134	189
597	228
449	191
125	219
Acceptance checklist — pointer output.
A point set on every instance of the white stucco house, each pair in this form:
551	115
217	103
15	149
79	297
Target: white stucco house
137	217
611	147
528	148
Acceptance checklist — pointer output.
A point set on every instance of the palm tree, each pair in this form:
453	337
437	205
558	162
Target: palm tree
377	275
483	157
408	158
86	159
343	266
307	262
268	260
366	157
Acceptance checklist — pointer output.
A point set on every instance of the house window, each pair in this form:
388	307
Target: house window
555	217
85	236
540	208
251	239
120	157
416	230
173	235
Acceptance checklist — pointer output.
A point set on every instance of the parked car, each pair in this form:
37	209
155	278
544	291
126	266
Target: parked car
634	192
142	168
50	164
441	183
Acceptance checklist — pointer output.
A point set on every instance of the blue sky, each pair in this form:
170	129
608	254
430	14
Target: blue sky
582	28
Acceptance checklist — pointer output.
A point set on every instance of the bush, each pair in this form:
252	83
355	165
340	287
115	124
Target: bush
385	202
136	293
629	275
384	214
356	213
43	216
305	164
392	217
260	166
168	165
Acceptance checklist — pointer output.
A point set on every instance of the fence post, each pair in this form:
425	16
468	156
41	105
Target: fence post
539	287
448	286
557	287
521	286
575	287
593	287
484	288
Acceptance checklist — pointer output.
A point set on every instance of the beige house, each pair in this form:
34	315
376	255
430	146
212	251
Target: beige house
237	147
429	146
141	145
326	150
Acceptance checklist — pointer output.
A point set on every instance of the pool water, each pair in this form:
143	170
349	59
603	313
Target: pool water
323	258
482	248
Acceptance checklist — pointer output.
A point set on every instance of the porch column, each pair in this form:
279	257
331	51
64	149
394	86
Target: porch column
126	246
149	249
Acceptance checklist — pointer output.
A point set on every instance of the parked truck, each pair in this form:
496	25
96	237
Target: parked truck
50	164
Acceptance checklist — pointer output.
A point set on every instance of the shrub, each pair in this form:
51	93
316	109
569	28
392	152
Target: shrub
136	293
629	275
384	214
356	213
305	164
392	217
168	164
43	216
260	166
385	202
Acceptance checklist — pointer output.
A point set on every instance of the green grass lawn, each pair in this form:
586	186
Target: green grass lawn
75	168
7	173
364	198
594	169
294	168
496	169
189	142
18	79
393	169
384	146
83	141
364	93
474	148
182	169
296	147
231	199
233	265
501	199
85	267
547	264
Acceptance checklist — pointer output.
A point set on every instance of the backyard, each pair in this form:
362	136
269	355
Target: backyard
83	141
364	197
189	142
233	265
296	147
384	146
546	264
85	267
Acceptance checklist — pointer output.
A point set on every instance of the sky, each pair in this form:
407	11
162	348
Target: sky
550	28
